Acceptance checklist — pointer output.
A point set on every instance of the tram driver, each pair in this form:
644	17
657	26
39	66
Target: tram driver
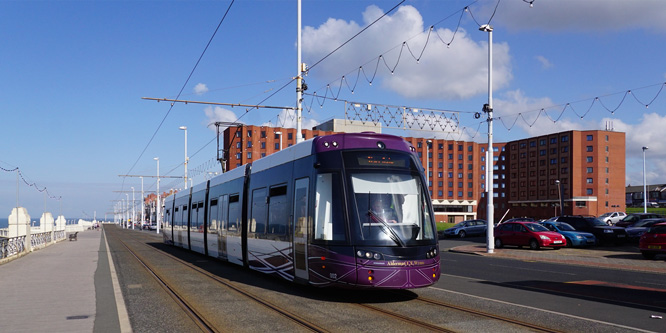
381	207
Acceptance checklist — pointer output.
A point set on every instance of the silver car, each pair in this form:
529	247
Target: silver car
467	228
612	217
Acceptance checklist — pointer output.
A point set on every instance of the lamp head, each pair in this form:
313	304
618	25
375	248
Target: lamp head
182	127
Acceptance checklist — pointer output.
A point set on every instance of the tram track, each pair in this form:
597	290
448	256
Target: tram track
282	306
197	316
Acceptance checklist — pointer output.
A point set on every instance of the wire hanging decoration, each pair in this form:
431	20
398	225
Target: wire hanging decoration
402	117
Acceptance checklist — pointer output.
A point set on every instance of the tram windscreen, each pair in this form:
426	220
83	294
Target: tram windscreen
392	209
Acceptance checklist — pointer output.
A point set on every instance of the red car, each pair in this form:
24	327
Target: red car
653	241
529	234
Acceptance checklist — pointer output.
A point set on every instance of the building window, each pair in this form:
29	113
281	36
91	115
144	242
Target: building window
590	170
249	134
249	155
263	145
249	144
553	140
590	159
590	138
590	191
565	138
238	156
590	181
606	138
581	203
290	136
263	134
277	146
238	145
590	148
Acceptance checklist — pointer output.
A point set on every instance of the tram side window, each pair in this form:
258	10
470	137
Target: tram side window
234	214
200	216
176	216
193	217
213	219
258	218
223	204
183	220
278	210
328	223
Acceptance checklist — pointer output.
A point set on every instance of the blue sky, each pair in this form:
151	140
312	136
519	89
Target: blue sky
72	74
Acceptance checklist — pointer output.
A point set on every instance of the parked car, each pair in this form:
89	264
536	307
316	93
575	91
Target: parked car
529	234
467	228
653	241
519	219
152	226
574	237
634	217
634	231
604	233
612	217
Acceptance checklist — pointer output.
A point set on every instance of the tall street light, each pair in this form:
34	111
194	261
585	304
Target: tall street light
157	208
428	142
133	211
488	108
184	128
644	183
559	194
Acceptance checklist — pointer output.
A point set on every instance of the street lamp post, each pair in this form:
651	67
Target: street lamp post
157	208
559	195
428	142
488	108
644	183
127	218
184	128
133	211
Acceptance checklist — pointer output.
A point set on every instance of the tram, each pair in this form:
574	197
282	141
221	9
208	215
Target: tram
342	210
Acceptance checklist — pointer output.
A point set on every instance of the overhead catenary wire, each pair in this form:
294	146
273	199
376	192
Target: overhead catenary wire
210	40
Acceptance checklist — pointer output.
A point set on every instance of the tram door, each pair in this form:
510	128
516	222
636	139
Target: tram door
300	224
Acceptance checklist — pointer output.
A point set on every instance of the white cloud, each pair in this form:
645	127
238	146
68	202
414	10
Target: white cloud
545	63
514	109
579	16
455	72
200	89
217	113
287	118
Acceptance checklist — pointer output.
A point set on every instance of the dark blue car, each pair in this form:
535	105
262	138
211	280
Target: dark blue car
574	238
636	230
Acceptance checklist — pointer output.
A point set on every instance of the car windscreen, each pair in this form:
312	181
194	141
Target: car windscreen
565	227
535	227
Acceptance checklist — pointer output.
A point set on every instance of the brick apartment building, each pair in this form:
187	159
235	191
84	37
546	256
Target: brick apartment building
589	166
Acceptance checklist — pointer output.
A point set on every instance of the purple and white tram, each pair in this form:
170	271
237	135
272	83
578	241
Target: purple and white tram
346	210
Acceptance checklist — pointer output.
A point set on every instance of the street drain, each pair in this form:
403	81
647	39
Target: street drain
77	317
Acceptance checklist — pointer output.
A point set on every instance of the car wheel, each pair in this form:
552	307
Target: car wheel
648	255
462	234
568	242
534	245
498	243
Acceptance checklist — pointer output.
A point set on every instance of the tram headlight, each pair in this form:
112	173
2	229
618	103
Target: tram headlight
368	255
326	144
380	145
377	256
335	143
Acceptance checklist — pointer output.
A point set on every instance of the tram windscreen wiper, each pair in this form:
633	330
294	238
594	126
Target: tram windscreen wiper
386	228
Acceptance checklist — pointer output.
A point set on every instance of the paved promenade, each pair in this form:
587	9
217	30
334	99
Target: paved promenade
65	287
